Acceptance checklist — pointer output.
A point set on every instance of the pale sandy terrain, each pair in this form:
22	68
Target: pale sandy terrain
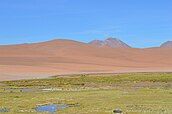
56	57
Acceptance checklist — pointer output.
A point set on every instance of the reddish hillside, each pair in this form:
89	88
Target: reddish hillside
66	57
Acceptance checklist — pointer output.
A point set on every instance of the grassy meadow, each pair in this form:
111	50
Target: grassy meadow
133	93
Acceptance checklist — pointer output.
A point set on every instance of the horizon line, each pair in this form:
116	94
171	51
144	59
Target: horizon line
56	38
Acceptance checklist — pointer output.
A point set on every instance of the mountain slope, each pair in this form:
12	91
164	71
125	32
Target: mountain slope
70	57
167	44
110	42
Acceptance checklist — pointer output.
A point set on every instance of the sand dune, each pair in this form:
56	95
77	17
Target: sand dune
56	57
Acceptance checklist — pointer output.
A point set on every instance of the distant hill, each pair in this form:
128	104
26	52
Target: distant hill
167	44
110	42
37	60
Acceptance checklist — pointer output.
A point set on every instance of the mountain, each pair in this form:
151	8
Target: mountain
167	44
110	42
59	57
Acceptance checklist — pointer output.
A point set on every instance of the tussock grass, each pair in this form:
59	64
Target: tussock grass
81	80
134	93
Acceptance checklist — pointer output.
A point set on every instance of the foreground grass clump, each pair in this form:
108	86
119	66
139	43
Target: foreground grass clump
134	93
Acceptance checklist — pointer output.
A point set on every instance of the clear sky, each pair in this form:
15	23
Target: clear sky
140	23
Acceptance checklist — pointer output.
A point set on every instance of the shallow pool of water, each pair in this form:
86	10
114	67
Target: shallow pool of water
21	89
4	110
51	107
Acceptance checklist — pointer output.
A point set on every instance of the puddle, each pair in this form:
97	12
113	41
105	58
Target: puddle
51	108
52	89
27	90
21	89
4	110
24	90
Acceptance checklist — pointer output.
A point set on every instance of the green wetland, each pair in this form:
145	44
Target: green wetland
132	93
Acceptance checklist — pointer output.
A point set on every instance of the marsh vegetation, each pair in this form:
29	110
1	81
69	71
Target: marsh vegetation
133	93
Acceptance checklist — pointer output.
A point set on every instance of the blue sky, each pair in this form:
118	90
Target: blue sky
140	23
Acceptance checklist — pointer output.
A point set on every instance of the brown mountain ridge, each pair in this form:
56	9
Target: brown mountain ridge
56	57
110	42
167	44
